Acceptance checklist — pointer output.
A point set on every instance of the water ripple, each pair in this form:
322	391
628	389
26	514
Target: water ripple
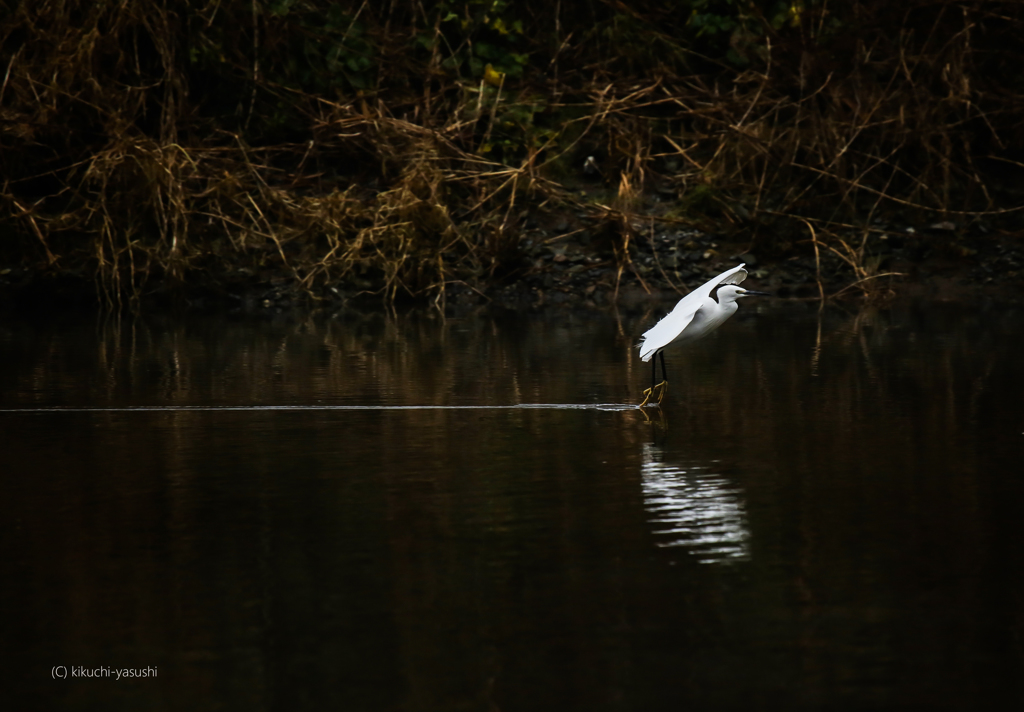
145	408
695	508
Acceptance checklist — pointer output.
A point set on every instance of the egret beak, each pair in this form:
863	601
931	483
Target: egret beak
752	293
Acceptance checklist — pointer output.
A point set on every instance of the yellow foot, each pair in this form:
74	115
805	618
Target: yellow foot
647	397
658	390
664	389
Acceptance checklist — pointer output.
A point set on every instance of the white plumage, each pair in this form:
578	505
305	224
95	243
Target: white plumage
694	317
674	324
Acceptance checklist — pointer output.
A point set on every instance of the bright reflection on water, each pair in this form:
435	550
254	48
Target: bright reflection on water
694	508
403	512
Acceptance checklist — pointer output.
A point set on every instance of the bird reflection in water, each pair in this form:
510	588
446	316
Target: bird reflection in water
694	508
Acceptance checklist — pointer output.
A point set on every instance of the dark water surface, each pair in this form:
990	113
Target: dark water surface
828	515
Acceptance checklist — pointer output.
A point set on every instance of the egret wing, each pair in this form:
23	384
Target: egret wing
733	276
668	329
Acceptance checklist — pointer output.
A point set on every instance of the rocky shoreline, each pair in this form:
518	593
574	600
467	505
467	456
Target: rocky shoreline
567	265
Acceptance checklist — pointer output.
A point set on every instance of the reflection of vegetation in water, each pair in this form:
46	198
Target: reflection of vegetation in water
873	490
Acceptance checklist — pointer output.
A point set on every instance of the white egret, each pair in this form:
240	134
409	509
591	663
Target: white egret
695	316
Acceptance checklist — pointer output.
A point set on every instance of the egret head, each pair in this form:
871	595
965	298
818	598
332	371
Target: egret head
726	293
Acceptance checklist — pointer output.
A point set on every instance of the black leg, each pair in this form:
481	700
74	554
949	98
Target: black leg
654	380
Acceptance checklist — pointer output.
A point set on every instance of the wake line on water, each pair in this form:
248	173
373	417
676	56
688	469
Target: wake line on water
263	408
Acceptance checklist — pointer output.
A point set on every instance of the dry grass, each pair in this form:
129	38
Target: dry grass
112	174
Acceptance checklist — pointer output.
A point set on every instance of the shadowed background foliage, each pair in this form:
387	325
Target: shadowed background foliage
397	147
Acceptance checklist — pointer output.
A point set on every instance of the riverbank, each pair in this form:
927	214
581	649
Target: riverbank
565	260
319	154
